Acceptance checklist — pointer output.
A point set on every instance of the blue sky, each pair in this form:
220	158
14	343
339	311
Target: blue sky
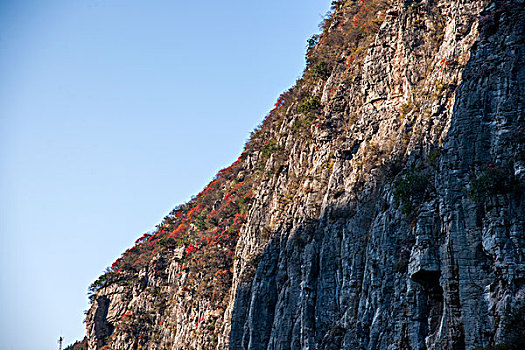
111	113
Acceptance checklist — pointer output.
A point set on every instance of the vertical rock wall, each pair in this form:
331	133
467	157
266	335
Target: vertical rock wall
390	217
446	275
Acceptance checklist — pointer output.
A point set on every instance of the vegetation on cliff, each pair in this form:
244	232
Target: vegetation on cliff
185	272
201	235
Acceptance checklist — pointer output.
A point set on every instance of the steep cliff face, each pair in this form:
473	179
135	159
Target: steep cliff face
379	206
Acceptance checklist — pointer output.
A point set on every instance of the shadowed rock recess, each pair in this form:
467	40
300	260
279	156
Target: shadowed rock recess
380	204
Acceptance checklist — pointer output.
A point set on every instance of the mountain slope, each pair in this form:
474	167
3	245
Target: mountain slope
378	206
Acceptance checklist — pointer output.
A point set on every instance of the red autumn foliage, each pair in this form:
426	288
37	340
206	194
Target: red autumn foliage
177	232
196	209
191	248
143	238
227	171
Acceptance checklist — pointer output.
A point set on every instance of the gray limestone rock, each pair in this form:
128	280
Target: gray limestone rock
394	220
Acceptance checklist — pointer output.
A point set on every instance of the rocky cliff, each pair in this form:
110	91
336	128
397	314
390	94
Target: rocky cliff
380	205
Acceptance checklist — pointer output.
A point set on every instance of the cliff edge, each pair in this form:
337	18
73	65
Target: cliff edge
380	205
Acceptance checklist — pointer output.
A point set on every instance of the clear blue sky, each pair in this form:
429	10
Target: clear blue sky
111	113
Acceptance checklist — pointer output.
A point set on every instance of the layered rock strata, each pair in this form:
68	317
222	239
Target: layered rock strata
379	206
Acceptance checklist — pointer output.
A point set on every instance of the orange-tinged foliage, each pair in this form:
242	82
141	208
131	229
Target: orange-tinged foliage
207	227
178	231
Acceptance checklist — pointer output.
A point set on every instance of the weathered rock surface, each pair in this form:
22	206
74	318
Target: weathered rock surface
394	220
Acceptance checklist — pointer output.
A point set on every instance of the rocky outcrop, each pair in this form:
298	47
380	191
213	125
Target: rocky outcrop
78	345
379	206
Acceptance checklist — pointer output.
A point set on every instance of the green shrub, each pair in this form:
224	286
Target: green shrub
200	220
310	46
102	281
78	345
303	123
402	266
410	190
321	70
241	204
490	181
310	105
268	148
433	156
